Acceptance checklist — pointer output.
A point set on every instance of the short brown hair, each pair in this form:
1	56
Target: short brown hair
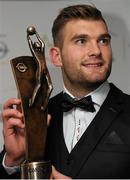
86	12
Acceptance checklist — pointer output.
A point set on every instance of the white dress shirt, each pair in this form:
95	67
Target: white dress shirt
76	121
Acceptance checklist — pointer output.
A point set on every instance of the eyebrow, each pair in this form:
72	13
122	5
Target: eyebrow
106	35
77	36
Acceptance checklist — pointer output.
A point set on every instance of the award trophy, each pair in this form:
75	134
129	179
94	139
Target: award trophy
34	88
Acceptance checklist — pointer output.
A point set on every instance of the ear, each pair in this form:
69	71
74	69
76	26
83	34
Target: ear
55	56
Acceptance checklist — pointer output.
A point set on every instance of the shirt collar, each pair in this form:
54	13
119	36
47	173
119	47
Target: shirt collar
98	95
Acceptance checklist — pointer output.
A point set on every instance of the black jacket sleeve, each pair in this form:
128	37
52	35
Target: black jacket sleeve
3	173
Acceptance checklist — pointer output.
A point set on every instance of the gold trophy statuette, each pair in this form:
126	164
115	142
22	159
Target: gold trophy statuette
34	88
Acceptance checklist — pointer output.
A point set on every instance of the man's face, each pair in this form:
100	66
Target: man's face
86	54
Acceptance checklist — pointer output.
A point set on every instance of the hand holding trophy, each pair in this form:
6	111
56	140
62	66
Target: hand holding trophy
34	88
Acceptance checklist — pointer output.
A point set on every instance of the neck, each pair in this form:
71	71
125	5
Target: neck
80	91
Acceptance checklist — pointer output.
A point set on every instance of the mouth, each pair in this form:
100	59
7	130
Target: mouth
93	65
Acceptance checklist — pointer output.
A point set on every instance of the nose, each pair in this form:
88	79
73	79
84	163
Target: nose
93	49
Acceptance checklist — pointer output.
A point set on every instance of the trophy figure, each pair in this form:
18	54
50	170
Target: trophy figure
34	88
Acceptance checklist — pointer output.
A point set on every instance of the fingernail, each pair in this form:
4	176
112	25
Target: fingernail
17	100
20	114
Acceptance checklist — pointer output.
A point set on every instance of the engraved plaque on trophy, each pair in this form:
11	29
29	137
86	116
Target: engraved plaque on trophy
34	88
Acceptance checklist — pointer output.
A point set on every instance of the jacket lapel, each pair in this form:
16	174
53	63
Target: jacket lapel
92	136
56	112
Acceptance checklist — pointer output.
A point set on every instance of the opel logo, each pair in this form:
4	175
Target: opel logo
21	67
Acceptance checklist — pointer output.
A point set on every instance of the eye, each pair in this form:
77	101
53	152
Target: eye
105	41
81	41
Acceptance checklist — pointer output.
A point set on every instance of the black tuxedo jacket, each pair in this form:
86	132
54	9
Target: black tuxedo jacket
103	150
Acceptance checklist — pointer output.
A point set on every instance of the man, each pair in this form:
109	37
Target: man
93	142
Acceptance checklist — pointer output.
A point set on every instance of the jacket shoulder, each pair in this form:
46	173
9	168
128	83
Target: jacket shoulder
55	101
119	96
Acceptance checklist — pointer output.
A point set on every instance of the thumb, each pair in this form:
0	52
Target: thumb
48	119
57	175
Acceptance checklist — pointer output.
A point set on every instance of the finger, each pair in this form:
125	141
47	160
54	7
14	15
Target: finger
16	122
58	175
13	126
13	122
48	119
19	107
11	113
10	102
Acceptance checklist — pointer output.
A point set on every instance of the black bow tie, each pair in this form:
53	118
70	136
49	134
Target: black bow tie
84	103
